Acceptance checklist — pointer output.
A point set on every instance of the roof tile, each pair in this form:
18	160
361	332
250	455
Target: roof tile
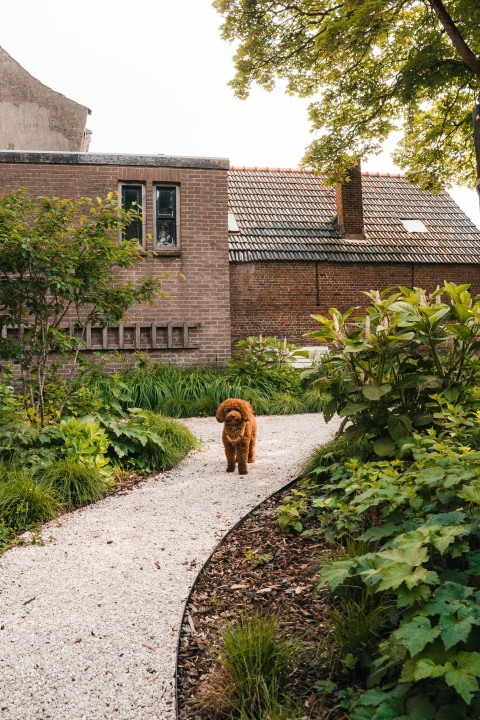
291	215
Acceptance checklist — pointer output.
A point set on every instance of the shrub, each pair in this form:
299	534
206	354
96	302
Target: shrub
419	517
73	481
24	502
266	364
148	441
384	365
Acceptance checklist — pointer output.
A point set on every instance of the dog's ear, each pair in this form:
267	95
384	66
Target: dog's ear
246	411
221	412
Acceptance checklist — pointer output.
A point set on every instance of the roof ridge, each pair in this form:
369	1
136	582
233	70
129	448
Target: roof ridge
270	169
307	171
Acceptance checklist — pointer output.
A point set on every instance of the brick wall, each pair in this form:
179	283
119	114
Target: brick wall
277	298
203	297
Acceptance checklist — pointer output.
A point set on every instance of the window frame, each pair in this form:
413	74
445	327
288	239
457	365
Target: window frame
136	184
174	248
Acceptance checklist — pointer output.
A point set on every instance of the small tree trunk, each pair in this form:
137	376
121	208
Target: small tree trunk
476	140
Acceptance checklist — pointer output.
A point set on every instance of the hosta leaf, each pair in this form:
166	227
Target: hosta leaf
372	392
335	573
416	634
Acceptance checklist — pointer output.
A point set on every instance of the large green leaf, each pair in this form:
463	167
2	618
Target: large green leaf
352	409
335	573
470	493
384	446
372	392
416	634
399	426
356	347
464	683
454	631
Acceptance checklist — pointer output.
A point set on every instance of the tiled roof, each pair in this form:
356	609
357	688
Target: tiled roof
290	215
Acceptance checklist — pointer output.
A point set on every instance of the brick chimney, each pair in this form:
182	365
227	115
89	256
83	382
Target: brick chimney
350	204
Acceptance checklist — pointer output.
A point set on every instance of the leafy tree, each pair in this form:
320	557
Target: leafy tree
61	261
376	66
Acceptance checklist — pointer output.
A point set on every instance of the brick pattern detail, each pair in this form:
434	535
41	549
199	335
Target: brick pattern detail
349	203
277	298
201	299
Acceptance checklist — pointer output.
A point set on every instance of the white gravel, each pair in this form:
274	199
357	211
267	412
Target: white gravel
89	620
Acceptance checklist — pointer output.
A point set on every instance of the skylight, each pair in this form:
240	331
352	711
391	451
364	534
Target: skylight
232	224
414	226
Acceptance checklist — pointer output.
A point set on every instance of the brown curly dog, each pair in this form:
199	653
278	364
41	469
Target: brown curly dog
239	433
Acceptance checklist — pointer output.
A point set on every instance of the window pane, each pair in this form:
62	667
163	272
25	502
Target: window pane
132	197
166	202
165	232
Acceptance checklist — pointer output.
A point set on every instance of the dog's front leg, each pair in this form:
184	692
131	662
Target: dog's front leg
242	455
230	454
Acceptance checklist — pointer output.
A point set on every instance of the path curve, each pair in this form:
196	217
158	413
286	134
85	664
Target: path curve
89	620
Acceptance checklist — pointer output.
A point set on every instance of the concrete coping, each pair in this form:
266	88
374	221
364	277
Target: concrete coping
77	158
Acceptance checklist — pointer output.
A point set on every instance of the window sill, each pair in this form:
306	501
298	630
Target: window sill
167	252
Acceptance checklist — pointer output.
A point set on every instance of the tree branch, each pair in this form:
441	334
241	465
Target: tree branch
457	40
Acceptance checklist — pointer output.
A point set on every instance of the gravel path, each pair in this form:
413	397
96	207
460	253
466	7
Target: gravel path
89	620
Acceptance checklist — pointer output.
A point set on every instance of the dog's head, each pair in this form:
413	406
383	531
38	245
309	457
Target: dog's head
234	421
241	408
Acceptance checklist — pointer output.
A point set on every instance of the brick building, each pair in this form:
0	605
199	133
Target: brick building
185	209
261	250
300	248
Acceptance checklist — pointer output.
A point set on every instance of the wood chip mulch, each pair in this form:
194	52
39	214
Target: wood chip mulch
285	584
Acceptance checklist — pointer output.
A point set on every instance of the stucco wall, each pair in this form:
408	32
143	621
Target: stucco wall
34	117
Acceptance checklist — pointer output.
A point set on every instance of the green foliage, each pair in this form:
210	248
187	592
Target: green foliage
23	501
257	559
266	364
336	450
148	442
418	519
373	67
292	510
73	481
258	659
360	619
80	438
61	257
192	392
384	365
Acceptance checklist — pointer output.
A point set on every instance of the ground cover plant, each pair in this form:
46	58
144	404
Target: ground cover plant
401	509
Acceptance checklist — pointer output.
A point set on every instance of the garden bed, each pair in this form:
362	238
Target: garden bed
257	568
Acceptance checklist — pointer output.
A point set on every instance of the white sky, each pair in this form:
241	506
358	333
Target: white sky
154	73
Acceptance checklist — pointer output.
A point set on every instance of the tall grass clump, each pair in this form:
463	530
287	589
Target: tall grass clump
24	501
73	481
255	662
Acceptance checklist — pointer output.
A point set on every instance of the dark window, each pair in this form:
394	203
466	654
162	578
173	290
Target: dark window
132	197
166	217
